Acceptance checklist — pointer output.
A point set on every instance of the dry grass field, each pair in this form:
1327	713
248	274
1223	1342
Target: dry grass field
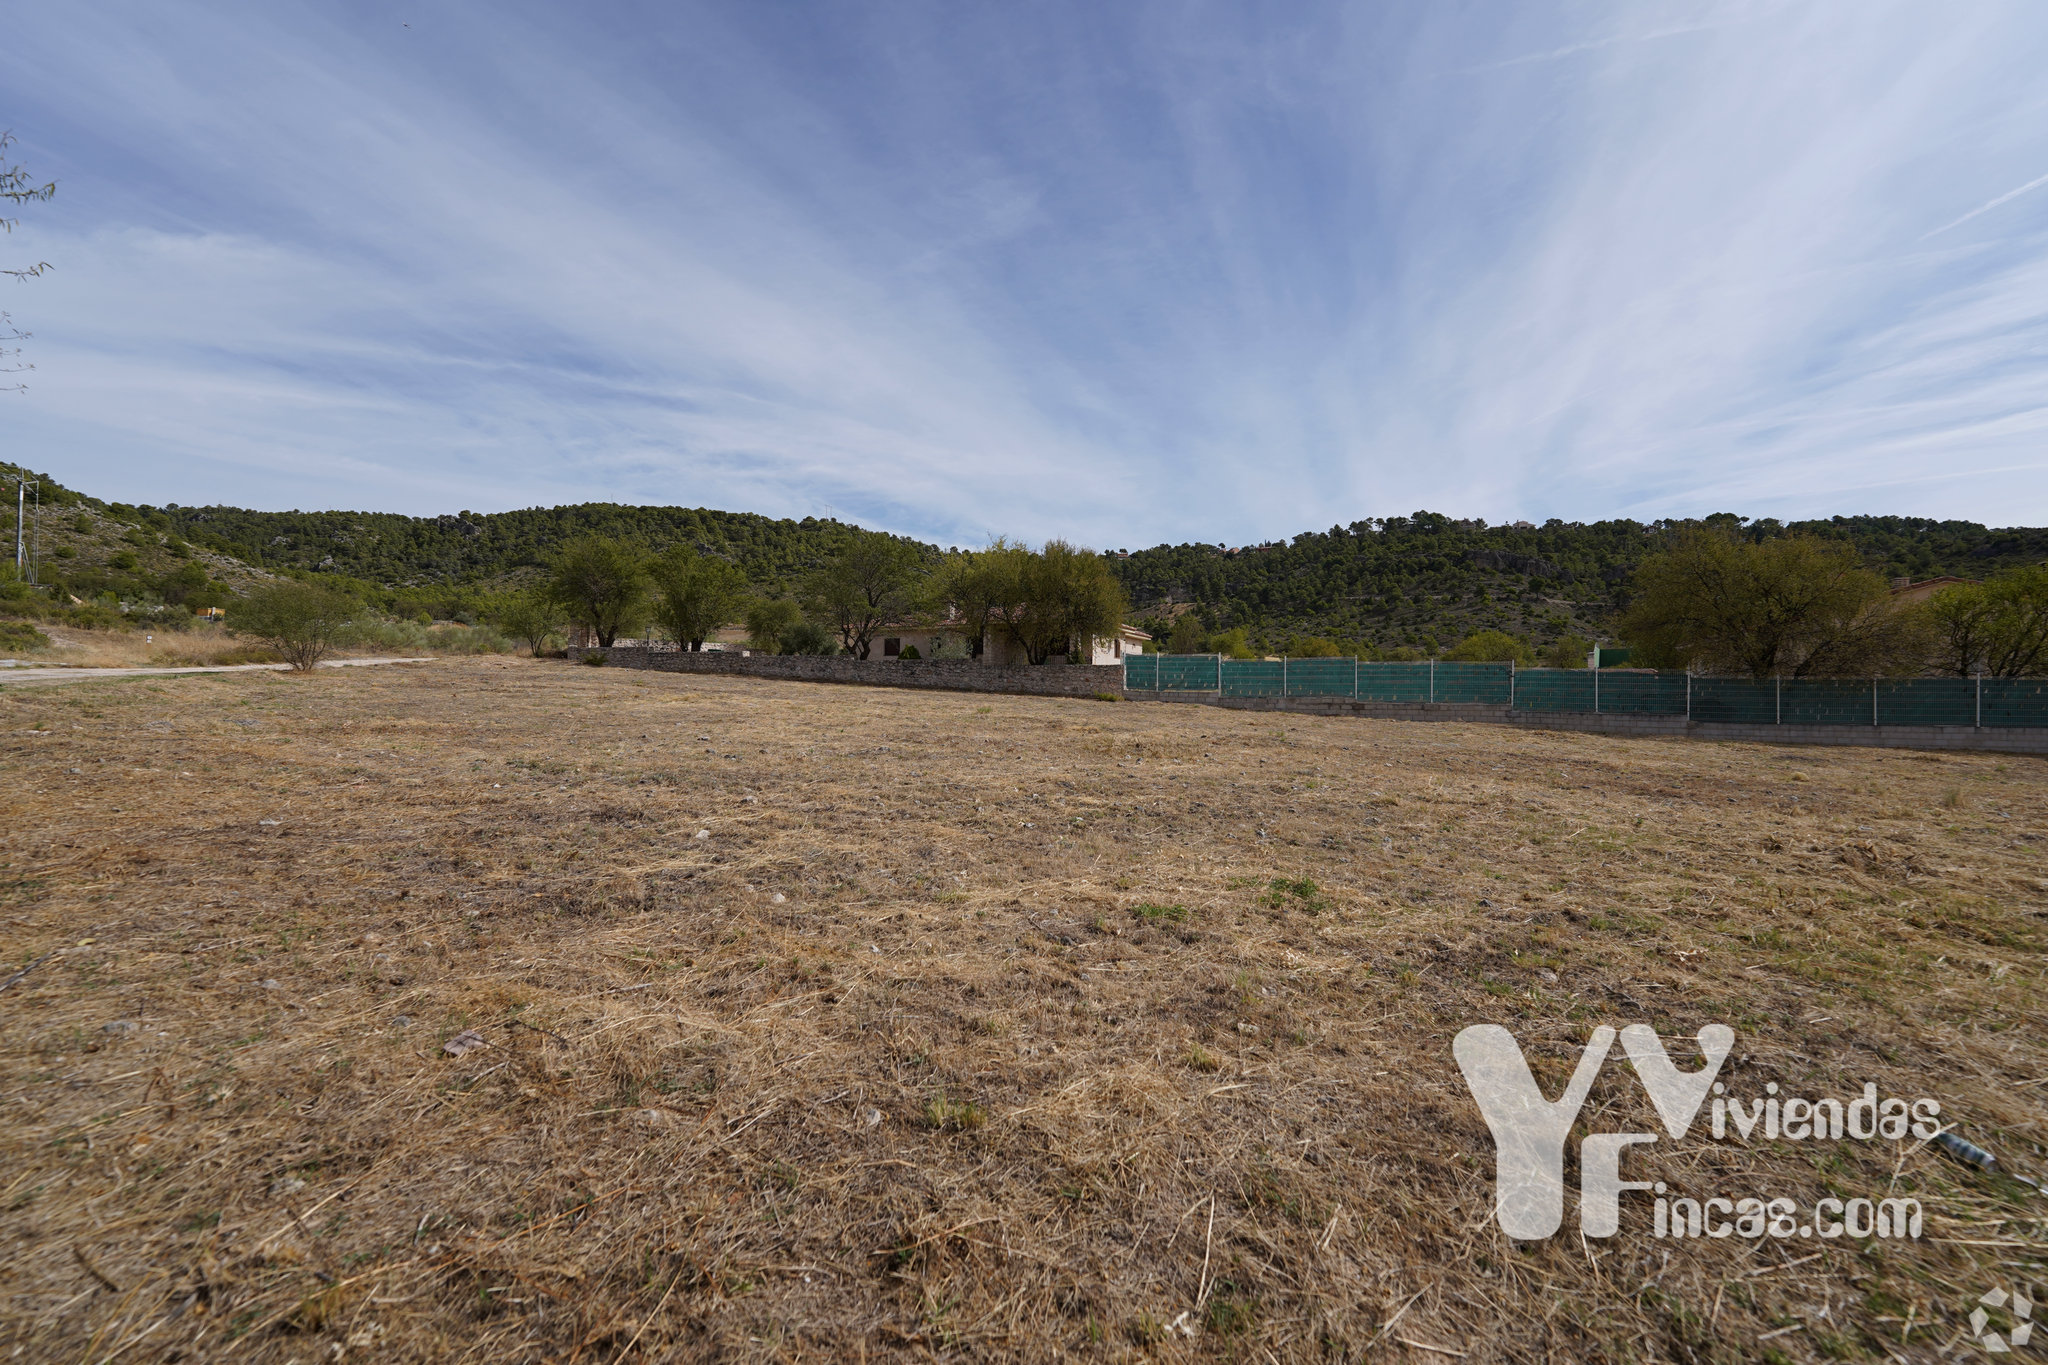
836	1024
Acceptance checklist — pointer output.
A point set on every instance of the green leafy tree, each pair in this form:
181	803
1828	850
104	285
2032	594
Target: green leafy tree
300	621
871	582
1187	636
1314	647
1795	605
1998	627
1231	644
807	637
768	619
189	586
696	594
601	584
1071	599
1492	646
1570	651
979	593
532	617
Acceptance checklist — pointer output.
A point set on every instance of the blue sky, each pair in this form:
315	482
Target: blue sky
1126	273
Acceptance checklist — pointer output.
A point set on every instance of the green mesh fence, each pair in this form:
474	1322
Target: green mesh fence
1321	677
1485	684
1393	682
2004	703
1253	678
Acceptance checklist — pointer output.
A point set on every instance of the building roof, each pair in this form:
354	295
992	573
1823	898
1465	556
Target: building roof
1906	590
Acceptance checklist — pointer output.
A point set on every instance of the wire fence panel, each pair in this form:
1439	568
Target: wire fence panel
1640	692
1254	678
1189	673
1828	701
1393	682
2005	703
2015	702
1484	684
1734	701
1321	677
1927	701
1554	689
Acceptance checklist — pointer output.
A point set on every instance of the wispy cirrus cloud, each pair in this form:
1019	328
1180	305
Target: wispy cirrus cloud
1128	275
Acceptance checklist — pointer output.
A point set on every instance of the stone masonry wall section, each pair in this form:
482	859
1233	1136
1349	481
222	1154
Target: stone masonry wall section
950	675
1091	680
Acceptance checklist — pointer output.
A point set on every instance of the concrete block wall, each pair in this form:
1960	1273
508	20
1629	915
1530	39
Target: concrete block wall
1988	740
950	675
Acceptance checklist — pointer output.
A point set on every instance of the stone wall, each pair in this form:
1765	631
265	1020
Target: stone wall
950	675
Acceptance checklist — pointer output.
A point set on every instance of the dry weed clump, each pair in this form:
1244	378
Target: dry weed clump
805	1022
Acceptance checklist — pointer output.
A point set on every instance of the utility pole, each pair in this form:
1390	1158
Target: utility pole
25	565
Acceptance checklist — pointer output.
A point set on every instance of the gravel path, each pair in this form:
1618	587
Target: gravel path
21	674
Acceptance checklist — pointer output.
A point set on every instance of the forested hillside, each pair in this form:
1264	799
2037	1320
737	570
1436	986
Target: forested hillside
1421	582
1427	580
401	552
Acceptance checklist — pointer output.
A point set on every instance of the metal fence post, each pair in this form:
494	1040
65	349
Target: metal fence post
1596	680
1779	682
1354	677
1511	684
1432	680
1283	677
1688	696
1980	701
1219	675
1873	703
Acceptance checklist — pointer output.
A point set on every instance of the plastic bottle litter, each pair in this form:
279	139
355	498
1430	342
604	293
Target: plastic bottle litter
1969	1153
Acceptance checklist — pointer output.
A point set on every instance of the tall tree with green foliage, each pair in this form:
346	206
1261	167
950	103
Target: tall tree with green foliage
696	595
1492	647
298	620
1791	605
979	592
871	582
529	616
1998	627
768	621
1072	599
1187	636
601	584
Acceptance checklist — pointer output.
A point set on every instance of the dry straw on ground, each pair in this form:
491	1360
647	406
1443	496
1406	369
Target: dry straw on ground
825	1023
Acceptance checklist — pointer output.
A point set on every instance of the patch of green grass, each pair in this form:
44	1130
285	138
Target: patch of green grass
1301	893
951	1115
1153	913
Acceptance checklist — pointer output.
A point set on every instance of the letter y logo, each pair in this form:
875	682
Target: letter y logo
1529	1131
